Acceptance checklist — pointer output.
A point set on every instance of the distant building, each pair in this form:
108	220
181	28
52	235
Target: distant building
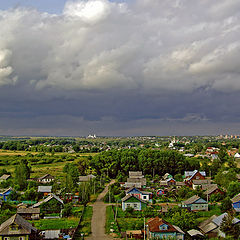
29	213
136	179
46	190
47	178
86	178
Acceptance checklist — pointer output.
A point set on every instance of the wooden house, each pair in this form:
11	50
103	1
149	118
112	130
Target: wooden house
17	228
146	196
133	202
193	175
159	228
195	203
46	190
47	178
29	213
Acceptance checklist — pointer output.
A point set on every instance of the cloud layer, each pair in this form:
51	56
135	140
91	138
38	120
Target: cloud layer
146	59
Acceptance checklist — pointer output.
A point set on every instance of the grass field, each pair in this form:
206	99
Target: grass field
55	224
8	161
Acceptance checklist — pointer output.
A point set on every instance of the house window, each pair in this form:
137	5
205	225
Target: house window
128	205
197	177
21	238
6	238
135	205
144	197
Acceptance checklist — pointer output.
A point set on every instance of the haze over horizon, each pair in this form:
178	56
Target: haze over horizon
119	68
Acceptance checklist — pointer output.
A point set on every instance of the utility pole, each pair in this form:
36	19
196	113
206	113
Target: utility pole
116	211
144	230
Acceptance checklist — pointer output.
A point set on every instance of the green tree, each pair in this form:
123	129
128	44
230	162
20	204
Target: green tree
22	173
233	189
229	228
226	204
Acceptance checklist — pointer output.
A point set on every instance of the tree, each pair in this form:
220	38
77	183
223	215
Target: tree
22	173
233	189
226	204
228	226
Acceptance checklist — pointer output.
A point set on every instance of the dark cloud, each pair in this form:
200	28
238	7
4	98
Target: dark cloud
118	68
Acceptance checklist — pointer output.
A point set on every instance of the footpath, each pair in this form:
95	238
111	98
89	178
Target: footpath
99	217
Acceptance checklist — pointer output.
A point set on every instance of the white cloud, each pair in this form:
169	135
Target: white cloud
100	45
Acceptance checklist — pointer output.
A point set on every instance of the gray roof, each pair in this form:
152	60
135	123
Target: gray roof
236	198
52	234
27	227
211	189
194	232
45	189
192	173
5	177
86	178
28	210
47	199
46	175
218	220
207	225
133	174
178	229
191	200
201	182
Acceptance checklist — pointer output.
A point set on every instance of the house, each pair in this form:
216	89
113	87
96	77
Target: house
136	179
211	226
16	227
146	196
211	189
86	178
46	190
134	234
133	202
4	177
47	178
193	175
51	204
29	213
4	193
167	176
168	182
159	228
195	203
236	203
200	183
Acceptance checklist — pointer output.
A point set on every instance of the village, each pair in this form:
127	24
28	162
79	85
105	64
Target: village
192	206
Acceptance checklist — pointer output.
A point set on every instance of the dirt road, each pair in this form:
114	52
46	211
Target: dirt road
99	217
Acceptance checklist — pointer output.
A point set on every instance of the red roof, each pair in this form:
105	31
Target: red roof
154	224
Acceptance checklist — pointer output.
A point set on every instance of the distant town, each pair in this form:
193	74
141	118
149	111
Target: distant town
146	187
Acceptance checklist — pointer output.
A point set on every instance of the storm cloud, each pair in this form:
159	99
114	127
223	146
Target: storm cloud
121	68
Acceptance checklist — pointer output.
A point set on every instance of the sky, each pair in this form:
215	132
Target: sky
119	68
